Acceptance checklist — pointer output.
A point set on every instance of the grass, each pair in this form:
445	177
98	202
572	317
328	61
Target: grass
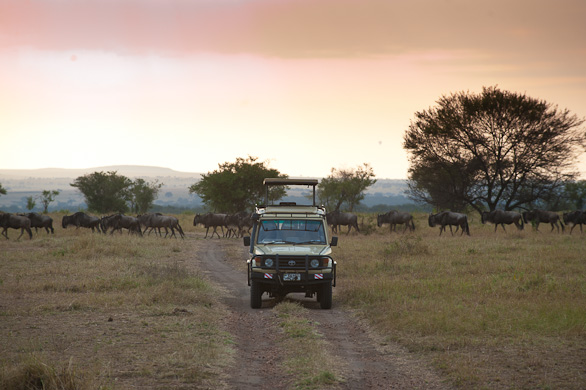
108	312
306	349
491	310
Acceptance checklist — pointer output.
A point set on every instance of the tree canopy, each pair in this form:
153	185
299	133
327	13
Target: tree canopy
237	186
2	190
110	192
47	197
143	194
345	187
496	148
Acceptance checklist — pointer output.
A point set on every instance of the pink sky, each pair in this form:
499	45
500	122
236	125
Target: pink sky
308	85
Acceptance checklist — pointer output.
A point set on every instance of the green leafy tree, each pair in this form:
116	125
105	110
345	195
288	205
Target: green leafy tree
47	197
237	186
489	150
2	190
576	193
143	194
30	203
345	187
105	192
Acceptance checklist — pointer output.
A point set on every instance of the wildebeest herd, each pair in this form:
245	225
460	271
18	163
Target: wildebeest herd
239	224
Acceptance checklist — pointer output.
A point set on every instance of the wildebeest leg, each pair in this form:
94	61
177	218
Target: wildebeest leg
5	233
216	231
503	225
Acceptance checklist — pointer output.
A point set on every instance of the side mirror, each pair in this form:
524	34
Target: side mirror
246	241
334	241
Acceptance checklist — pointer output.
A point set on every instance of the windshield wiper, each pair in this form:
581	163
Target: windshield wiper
310	242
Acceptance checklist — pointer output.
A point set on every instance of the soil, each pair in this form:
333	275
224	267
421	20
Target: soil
368	364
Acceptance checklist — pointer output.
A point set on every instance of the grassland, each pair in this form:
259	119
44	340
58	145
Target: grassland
493	310
490	311
87	311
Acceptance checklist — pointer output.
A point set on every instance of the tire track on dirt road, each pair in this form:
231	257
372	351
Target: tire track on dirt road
366	363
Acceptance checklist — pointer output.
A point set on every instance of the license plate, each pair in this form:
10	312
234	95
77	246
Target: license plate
291	277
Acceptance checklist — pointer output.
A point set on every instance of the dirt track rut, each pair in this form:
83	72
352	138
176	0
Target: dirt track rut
368	364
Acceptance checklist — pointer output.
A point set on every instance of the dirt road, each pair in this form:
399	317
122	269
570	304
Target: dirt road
368	364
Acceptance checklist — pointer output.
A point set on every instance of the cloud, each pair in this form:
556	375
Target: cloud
289	28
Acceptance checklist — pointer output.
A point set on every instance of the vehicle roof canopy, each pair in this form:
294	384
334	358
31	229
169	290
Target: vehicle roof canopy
268	182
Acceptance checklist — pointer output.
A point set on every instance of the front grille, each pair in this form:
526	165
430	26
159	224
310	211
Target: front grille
290	263
296	263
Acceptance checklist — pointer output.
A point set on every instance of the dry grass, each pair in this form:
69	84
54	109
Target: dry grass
108	312
308	358
494	310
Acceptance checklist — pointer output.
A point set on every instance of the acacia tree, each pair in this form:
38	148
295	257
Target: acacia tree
30	203
47	197
576	193
104	192
143	194
237	186
2	190
345	187
496	148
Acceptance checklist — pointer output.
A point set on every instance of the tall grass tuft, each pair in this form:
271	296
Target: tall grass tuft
34	373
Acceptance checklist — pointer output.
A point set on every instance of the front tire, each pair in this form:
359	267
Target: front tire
255	295
325	297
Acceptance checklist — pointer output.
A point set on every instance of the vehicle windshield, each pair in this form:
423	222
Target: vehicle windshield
291	231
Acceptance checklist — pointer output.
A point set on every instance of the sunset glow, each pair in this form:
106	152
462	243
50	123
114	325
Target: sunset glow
306	85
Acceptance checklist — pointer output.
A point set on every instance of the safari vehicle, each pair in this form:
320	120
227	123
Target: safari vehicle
290	249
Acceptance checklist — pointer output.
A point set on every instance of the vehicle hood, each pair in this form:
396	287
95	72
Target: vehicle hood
293	250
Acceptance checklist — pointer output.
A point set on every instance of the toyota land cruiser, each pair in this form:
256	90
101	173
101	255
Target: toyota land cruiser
290	249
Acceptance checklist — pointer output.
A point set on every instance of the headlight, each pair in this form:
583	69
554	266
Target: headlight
269	263
314	263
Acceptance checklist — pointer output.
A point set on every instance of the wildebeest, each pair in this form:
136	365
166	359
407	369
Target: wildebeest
245	222
81	219
41	221
538	216
12	221
337	218
394	218
502	217
577	217
158	221
449	218
231	223
119	222
211	220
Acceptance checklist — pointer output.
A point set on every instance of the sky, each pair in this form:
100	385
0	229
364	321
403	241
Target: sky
304	85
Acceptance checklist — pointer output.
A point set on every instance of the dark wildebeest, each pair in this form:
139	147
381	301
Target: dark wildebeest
577	217
501	217
119	222
158	221
245	222
211	220
232	223
12	221
449	218
538	216
81	219
394	218
41	221
337	218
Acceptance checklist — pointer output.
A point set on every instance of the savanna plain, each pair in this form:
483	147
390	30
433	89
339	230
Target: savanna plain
495	310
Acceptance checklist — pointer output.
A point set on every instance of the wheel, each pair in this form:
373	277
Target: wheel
325	297
255	295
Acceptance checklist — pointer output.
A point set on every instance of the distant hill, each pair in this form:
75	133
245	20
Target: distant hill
125	170
23	183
